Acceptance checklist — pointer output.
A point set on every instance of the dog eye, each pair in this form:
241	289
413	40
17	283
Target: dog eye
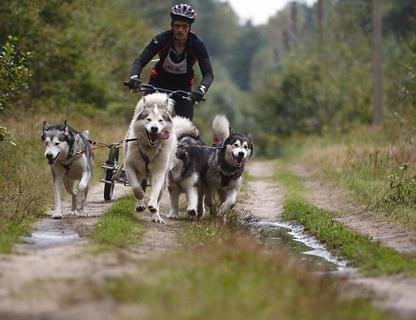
148	119
56	143
161	120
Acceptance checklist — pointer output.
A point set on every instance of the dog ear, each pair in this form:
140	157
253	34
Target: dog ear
231	131
142	115
166	117
44	128
66	127
45	125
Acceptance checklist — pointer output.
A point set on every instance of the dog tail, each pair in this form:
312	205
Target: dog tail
184	128
220	128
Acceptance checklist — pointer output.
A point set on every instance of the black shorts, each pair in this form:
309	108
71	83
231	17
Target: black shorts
183	107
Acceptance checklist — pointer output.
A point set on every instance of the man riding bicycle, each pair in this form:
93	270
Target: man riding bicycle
178	50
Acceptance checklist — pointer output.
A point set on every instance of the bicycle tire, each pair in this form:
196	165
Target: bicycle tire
109	173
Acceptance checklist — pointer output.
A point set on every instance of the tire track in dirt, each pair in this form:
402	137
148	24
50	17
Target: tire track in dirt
262	196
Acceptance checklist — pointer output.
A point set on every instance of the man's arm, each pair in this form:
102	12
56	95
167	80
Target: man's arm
148	53
204	65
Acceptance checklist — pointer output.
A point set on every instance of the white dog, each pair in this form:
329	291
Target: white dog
150	155
69	154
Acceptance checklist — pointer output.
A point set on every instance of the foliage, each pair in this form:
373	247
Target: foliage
316	82
402	187
77	57
241	55
14	76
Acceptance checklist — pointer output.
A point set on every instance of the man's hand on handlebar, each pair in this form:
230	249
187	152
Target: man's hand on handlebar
134	82
198	94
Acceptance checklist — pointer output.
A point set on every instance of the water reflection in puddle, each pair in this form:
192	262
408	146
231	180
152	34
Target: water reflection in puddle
50	233
294	237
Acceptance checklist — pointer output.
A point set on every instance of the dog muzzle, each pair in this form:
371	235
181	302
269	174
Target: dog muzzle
239	161
155	137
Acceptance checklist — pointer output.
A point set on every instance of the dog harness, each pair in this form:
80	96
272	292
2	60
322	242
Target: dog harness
145	159
226	178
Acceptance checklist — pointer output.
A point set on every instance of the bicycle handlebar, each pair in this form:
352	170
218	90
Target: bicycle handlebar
149	88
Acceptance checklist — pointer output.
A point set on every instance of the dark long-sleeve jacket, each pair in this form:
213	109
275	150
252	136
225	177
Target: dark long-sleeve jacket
172	71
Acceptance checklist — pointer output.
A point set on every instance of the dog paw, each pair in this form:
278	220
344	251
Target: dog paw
192	213
57	215
173	215
157	218
152	209
222	210
140	206
73	212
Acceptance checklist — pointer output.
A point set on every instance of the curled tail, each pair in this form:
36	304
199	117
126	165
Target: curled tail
185	127
220	128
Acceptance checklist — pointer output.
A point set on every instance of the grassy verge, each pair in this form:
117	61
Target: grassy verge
378	168
221	274
370	256
10	233
119	227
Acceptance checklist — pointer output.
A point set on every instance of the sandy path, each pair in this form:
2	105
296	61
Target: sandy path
34	280
261	196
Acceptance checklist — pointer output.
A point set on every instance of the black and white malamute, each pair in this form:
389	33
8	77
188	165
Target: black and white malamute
203	172
69	154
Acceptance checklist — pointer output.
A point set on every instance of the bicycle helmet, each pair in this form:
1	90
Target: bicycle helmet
183	12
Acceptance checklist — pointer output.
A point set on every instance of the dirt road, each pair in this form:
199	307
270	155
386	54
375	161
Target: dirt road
34	279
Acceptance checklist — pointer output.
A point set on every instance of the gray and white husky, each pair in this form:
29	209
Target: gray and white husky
226	162
150	156
185	174
69	154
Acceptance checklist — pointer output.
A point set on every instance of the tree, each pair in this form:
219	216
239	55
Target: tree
377	64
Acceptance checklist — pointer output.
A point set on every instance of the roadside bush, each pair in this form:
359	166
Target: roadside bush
402	188
14	76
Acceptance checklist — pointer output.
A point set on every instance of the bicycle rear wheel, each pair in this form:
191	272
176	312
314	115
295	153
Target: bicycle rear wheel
112	164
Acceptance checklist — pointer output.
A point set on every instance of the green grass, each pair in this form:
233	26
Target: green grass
119	227
11	232
370	256
230	276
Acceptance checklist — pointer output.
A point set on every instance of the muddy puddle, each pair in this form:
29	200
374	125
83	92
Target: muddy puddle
293	237
50	233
